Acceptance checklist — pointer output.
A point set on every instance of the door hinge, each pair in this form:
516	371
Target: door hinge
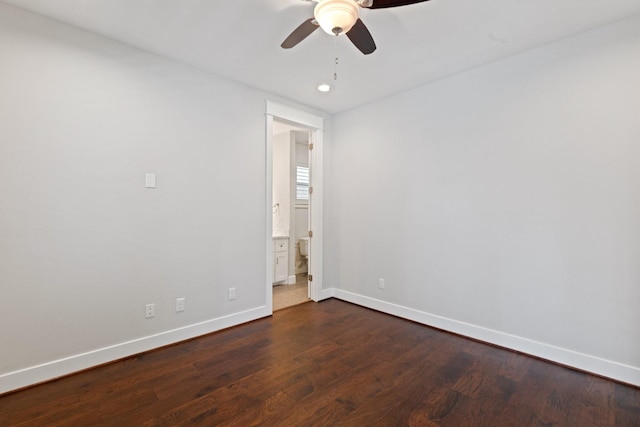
310	190
311	277
310	233
310	146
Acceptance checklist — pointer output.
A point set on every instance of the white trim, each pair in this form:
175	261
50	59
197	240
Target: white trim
315	214
327	293
291	259
268	200
581	361
68	365
294	115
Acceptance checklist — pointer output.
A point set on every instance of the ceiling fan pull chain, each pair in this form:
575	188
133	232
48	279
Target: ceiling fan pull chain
335	65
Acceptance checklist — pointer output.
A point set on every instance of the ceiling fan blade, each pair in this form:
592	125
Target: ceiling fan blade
380	4
361	37
300	33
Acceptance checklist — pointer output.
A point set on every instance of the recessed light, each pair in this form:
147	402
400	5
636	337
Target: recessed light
324	87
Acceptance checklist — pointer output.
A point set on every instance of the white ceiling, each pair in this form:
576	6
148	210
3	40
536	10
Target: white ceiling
417	44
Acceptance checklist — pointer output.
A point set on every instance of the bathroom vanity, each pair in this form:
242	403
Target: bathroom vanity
280	259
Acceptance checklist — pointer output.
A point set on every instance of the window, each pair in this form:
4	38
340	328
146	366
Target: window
302	182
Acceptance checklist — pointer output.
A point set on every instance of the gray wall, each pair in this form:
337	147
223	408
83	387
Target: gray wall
504	203
84	246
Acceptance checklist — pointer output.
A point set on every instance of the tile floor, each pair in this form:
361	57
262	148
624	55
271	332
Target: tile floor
288	295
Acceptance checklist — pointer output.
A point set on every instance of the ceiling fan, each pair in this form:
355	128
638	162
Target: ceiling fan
337	17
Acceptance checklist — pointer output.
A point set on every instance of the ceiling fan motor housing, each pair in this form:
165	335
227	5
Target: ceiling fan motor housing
336	16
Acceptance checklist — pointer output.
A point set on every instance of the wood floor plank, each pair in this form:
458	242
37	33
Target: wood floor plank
326	364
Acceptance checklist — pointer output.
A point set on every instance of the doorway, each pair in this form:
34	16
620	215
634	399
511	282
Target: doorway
294	206
290	219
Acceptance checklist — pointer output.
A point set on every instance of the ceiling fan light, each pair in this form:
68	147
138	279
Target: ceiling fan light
336	16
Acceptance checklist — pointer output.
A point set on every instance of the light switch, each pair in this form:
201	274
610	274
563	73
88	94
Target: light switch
150	180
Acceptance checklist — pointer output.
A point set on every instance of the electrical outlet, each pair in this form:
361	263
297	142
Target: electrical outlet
180	304
232	294
150	311
381	283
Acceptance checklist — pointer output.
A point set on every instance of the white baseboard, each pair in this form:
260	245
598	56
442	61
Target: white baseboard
583	362
326	294
57	368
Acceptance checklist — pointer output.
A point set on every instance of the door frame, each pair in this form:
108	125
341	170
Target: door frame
315	125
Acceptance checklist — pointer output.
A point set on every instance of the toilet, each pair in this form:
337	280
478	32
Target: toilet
304	247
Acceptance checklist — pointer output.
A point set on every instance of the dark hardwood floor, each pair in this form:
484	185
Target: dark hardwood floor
326	364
